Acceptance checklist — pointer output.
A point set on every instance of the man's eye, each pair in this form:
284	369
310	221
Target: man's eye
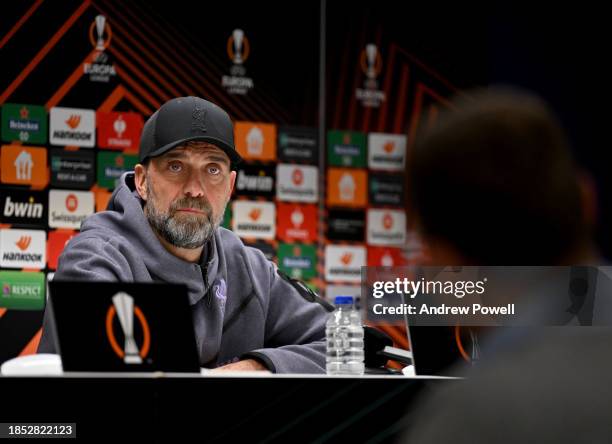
214	170
175	167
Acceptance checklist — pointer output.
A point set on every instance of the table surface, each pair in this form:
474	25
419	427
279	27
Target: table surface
158	407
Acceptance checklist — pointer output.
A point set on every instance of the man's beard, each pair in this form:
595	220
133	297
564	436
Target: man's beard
185	230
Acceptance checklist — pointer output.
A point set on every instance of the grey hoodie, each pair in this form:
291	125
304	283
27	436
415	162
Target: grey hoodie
242	307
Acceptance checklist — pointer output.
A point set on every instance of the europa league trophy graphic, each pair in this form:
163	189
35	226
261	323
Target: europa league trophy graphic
124	305
371	51
238	36
100	23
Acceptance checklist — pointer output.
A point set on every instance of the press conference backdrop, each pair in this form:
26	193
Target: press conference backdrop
326	101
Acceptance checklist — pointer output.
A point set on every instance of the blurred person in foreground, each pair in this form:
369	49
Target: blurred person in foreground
493	183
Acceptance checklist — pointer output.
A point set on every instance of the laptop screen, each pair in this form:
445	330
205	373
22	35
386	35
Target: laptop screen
124	327
443	350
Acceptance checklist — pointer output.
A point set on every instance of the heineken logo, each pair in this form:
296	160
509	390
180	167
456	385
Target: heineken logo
24	123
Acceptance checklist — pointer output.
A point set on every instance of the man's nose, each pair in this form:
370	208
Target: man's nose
194	186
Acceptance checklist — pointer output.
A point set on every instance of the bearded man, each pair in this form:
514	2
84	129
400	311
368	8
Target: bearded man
162	225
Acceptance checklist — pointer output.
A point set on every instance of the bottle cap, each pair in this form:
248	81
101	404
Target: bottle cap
343	300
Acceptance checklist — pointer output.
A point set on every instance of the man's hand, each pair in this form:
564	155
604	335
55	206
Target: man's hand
246	365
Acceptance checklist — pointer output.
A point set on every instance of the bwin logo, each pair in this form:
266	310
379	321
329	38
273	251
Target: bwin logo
259	182
28	209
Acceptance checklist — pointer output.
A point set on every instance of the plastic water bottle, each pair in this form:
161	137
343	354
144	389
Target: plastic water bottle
344	334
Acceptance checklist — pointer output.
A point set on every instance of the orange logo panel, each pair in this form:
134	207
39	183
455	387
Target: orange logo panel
347	187
102	198
24	165
255	141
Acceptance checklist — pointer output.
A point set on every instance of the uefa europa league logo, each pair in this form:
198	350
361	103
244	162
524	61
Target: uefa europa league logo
370	61
371	52
238	47
238	36
100	33
100	23
124	305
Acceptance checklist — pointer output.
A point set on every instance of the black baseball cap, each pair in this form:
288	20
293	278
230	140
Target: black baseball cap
183	119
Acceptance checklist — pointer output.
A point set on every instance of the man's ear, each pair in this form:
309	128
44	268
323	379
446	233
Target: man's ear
140	180
232	181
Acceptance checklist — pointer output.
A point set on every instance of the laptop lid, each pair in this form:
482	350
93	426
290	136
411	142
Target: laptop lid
123	327
443	350
439	350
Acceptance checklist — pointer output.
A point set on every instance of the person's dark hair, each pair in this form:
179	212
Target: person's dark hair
494	177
